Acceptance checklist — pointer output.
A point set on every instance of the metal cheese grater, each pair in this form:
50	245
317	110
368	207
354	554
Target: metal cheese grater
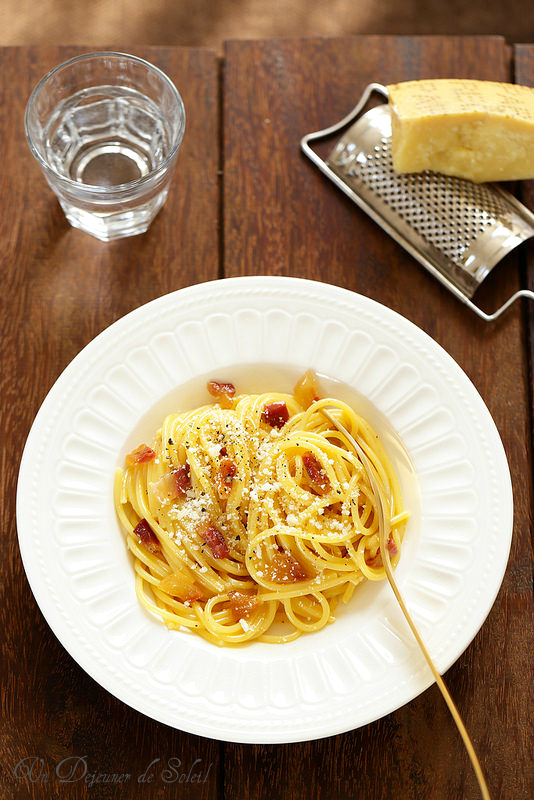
457	229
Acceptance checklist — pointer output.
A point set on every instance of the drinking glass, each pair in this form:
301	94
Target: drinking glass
106	129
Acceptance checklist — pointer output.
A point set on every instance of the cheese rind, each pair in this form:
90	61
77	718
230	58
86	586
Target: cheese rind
480	130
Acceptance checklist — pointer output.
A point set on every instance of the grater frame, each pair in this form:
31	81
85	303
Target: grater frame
494	221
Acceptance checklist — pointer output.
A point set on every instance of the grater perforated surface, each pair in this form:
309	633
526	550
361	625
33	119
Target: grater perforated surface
463	229
447	212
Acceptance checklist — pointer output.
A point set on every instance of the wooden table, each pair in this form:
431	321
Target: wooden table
244	201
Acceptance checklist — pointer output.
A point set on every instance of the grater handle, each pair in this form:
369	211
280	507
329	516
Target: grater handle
329	172
496	314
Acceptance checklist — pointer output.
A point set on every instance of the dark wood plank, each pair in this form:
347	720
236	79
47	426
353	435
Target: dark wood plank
524	74
281	216
60	288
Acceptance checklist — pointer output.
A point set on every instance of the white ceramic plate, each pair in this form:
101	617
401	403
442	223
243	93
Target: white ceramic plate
364	665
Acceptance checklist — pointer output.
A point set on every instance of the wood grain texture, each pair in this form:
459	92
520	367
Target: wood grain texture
61	287
524	73
209	22
281	216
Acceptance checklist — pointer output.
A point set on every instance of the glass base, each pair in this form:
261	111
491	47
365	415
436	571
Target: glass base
115	224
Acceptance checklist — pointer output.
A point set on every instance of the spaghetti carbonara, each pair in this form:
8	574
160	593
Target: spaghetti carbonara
252	517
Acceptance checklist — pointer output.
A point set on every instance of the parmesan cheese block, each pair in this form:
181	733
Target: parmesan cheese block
479	130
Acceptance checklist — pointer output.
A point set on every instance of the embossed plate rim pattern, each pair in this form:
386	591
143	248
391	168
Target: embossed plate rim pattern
366	664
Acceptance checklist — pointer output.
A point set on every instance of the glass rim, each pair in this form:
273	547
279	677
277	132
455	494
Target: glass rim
121	187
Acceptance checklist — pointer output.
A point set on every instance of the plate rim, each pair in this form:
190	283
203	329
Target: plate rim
191	291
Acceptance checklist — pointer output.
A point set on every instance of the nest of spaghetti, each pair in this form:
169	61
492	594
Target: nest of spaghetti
252	517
